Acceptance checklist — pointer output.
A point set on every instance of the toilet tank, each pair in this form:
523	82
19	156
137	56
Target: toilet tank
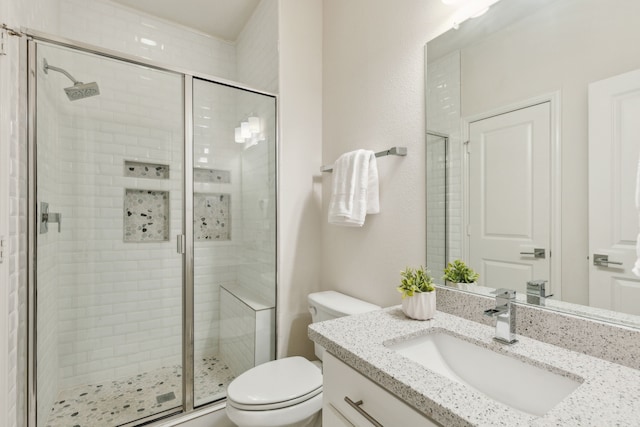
331	305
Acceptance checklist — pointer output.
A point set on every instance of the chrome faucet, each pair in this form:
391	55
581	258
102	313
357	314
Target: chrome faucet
505	316
537	291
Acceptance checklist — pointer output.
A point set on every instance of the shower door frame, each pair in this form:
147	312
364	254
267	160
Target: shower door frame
29	53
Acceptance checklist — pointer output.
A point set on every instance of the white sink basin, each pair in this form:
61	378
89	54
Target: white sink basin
524	387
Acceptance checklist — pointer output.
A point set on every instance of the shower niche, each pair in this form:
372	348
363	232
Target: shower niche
164	213
212	216
146	216
135	169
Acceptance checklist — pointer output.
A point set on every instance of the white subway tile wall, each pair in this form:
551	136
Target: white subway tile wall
41	15
113	26
215	262
257	53
48	319
444	114
237	330
219	263
257	64
245	338
258	272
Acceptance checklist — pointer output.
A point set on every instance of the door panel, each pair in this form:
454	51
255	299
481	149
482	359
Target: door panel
614	131
109	278
509	207
497	271
234	220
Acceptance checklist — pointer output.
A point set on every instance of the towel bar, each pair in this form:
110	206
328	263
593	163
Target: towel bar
393	151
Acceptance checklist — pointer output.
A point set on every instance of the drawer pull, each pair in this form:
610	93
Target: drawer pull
356	406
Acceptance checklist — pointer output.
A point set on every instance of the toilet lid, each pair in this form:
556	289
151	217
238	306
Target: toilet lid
276	384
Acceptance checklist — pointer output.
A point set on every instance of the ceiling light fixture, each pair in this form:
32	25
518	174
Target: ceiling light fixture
249	130
244	130
467	9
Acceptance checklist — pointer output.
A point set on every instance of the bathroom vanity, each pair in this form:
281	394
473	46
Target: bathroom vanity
351	399
387	361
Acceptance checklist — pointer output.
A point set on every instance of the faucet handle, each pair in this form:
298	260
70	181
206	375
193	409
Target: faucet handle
504	293
537	288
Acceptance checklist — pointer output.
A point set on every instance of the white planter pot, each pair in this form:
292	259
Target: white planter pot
421	306
466	286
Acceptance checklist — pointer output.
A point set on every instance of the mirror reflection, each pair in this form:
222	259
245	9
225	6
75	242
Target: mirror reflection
532	151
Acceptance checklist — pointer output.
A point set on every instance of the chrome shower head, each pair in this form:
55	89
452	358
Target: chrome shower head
82	90
79	90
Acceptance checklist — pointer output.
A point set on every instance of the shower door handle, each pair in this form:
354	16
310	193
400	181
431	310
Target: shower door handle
46	217
181	243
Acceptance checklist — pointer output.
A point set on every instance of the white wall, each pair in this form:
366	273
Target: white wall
373	98
299	189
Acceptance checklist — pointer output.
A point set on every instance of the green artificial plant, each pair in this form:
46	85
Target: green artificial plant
415	281
458	272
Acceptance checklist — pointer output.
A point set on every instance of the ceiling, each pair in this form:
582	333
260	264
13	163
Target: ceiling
224	19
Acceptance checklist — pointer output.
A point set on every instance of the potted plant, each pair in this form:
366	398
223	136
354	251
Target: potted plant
418	293
458	272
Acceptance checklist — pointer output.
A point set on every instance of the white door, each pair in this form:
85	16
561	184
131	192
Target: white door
614	146
509	204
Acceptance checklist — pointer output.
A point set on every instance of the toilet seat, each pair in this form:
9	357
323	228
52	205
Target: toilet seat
274	385
305	414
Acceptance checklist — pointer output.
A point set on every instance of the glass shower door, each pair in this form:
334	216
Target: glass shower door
234	206
110	205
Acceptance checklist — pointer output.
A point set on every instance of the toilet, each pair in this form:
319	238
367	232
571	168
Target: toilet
288	392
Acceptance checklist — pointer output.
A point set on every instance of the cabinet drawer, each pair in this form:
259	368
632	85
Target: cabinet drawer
331	417
340	381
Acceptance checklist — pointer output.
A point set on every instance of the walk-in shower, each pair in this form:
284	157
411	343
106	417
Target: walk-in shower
156	287
79	90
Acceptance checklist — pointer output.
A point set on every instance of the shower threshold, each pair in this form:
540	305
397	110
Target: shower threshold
117	402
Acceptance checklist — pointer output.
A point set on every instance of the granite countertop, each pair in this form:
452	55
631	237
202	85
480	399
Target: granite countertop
608	396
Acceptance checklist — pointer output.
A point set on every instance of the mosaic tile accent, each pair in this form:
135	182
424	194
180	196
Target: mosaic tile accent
212	175
212	216
112	403
145	170
146	216
210	380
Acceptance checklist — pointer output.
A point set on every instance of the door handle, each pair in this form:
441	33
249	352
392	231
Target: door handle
537	253
601	260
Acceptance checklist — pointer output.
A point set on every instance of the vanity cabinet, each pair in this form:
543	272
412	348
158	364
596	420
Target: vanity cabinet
341	382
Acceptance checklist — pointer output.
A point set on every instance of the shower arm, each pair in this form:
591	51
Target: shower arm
60	70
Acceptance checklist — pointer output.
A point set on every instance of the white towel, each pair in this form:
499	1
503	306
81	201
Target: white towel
636	267
354	192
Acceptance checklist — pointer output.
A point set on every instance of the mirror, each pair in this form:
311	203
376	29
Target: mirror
562	78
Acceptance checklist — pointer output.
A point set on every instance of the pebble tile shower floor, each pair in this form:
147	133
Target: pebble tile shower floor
112	403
